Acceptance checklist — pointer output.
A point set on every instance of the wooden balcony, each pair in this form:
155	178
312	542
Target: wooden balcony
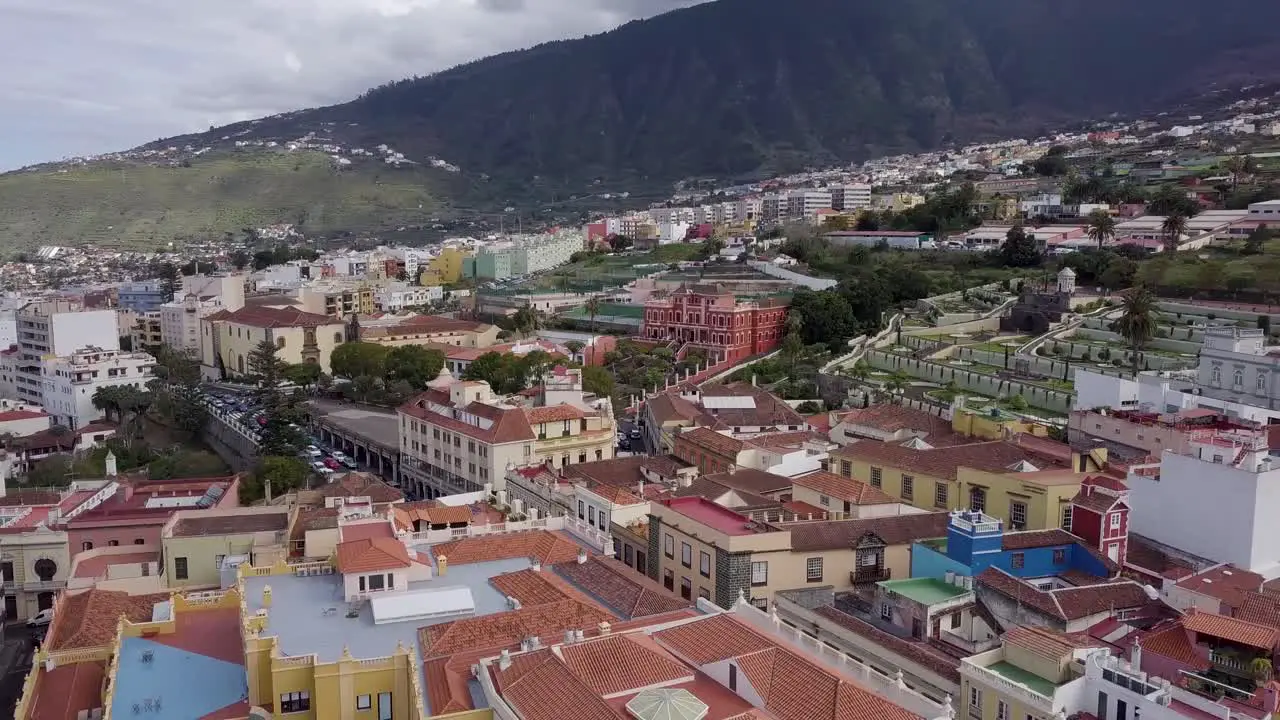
865	575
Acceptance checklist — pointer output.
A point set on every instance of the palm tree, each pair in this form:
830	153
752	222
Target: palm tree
1175	226
593	309
1102	226
1137	321
107	399
860	371
897	383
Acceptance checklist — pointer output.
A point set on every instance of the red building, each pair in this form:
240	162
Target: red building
730	329
1100	515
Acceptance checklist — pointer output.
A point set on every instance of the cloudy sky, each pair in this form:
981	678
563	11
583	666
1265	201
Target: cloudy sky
86	76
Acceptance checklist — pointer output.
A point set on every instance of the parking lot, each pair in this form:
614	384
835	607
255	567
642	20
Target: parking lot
236	407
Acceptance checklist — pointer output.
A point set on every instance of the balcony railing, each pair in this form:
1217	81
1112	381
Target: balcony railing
1230	664
870	575
1018	691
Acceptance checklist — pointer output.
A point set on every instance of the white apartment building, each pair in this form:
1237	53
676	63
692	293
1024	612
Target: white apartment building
748	210
229	289
805	204
1237	366
672	232
71	381
180	319
1218	502
551	250
397	296
8	328
57	328
848	198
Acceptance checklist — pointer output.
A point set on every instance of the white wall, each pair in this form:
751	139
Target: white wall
1212	510
69	332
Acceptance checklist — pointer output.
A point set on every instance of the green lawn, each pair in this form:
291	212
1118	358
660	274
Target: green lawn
599	271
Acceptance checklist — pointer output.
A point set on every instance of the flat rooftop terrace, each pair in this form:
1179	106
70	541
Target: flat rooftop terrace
309	614
379	427
926	591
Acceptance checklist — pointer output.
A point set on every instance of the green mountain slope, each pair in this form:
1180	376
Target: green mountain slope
144	206
738	86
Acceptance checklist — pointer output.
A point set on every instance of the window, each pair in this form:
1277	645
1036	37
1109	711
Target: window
364	702
759	574
669	547
86	545
875	477
686	588
824	501
581	505
940	495
813	569
218	560
955	620
180	568
1114	520
908	487
978	499
686	555
1237	378
384	706
626	554
669	579
975	697
295	702
1066	518
886	611
704	564
1018	560
1017	515
591	515
1059	556
113	543
1002	710
733	677
1262	384
704	593
846	468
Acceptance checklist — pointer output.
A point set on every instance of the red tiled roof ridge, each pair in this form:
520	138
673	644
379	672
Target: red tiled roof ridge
371	554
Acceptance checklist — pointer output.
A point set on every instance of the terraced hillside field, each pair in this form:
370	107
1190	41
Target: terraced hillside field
138	206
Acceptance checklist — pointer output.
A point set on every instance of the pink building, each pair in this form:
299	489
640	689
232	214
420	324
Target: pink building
133	512
1131	433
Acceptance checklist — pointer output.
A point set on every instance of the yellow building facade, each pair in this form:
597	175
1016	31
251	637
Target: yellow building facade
985	426
1022	500
229	339
443	269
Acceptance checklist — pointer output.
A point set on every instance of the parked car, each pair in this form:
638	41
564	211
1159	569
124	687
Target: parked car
314	451
320	467
40	619
338	455
351	464
331	463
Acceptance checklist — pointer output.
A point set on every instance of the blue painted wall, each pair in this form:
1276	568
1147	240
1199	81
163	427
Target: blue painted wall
1036	562
927	562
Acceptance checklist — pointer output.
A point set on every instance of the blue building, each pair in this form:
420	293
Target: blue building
143	296
976	542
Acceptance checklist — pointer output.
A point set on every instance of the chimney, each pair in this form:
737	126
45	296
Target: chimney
605	628
579	636
442	565
535	564
504	660
568	637
582	557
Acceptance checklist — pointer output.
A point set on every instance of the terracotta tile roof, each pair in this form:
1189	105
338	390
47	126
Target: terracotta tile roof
1233	629
269	317
668	407
769	411
943	462
89	619
843	488
717	638
1172	642
1100	503
792	686
614	494
429	512
547	547
1066	604
621	589
446	688
530	587
550	691
361	484
1225	583
419	324
1043	641
507	425
312	519
553	413
15	497
893	530
499	630
751	480
8	415
619	663
196	524
711	441
1260	609
941	663
371	555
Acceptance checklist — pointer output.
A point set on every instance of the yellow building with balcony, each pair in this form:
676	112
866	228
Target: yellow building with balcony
443	269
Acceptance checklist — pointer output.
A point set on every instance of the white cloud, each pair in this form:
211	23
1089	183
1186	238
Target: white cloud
84	76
